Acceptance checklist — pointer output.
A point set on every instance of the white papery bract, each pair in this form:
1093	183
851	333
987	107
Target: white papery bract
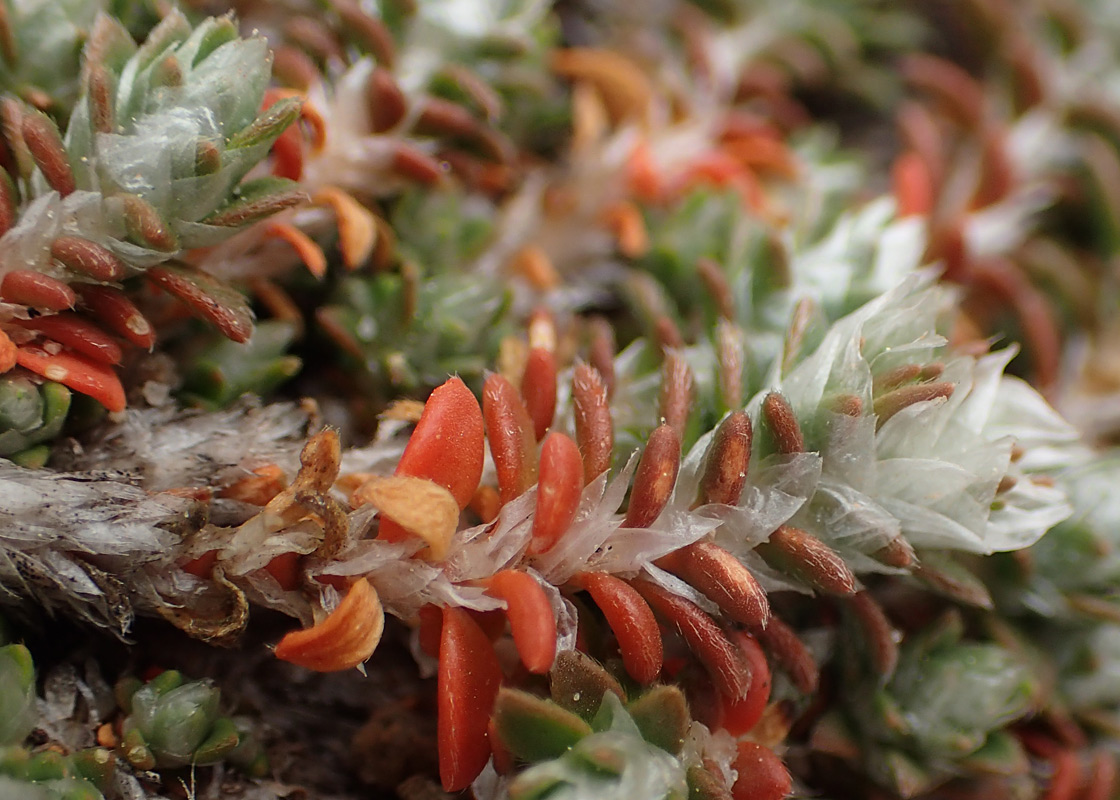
931	470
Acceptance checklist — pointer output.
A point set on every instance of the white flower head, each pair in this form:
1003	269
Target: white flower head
924	462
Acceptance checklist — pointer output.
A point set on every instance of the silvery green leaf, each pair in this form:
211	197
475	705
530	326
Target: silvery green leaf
639	769
952	696
18	713
1089	662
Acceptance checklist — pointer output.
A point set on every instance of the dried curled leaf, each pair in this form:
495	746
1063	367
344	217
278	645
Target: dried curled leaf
357	227
420	506
345	639
622	84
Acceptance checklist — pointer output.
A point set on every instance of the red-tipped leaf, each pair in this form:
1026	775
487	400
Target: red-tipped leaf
632	621
558	491
446	448
467	684
531	620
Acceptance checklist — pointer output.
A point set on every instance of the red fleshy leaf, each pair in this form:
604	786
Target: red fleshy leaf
208	298
468	681
78	372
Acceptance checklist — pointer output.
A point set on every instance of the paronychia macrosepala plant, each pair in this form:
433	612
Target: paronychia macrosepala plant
788	448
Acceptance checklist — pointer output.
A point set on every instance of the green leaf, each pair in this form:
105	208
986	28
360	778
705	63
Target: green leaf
18	715
269	125
221	742
535	729
227	370
661	714
46	765
1001	755
97	765
703	785
174	722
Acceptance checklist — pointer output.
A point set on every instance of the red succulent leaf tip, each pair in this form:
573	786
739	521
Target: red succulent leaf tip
655	478
538	387
893	378
208	298
88	258
345	639
601	352
896	553
725	663
76	371
790	653
676	392
145	225
719	290
287	154
78	334
631	620
740	716
43	140
762	775
468	681
310	253
882	644
721	578
912	185
30	288
509	430
443	117
727	461
558	491
415	164
446	448
810	559
889	404
531	618
783	424
387	103
7	352
643	176
667	334
118	314
624	220
594	428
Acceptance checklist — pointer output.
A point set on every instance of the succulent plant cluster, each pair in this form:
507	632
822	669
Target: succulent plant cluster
684	384
166	722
